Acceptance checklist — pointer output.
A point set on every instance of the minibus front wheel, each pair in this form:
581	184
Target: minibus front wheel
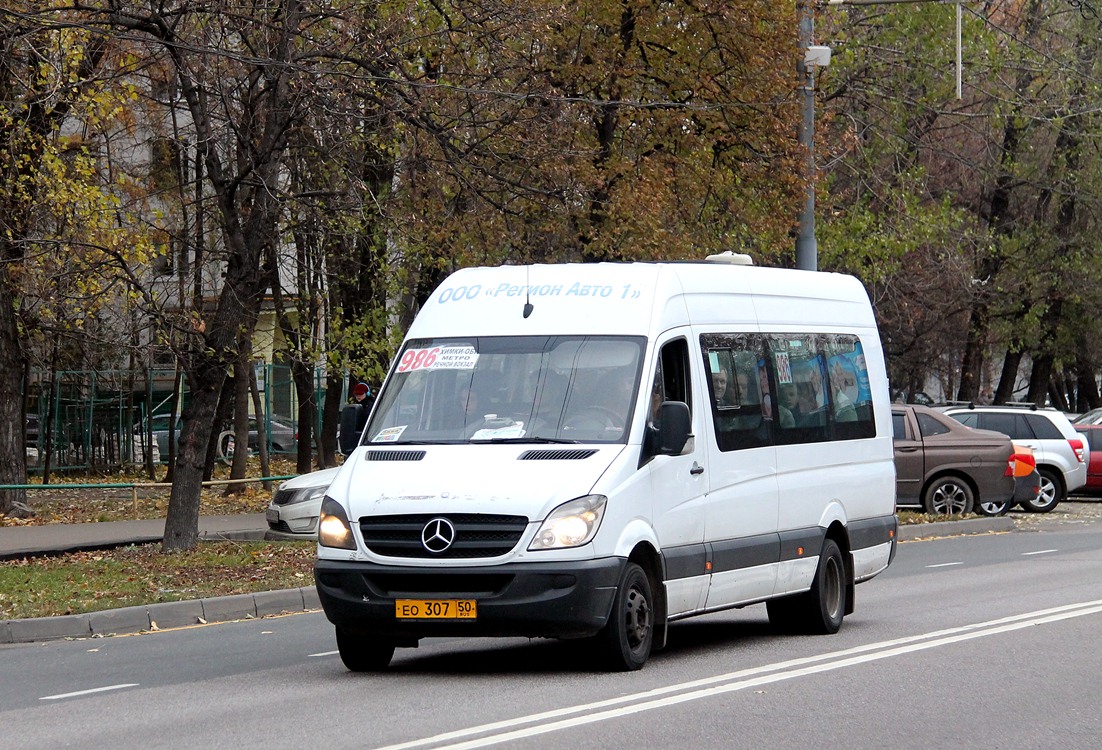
364	653
629	634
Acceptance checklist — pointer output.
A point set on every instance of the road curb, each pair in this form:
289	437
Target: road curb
160	616
167	615
917	531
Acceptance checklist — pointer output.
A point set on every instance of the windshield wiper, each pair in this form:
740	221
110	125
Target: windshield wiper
418	442
533	439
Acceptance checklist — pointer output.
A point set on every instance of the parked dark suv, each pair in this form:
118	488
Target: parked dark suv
947	468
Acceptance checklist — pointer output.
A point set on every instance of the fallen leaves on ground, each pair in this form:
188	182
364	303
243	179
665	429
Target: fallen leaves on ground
106	579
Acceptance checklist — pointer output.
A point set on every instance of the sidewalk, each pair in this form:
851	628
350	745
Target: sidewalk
19	541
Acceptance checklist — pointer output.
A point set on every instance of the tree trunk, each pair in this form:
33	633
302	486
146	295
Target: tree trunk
1009	377
971	367
240	464
331	414
13	453
223	416
182	521
254	389
1039	378
1086	389
303	376
1002	224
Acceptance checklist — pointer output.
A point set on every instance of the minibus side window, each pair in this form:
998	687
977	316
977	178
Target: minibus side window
822	381
849	392
673	372
738	383
670	383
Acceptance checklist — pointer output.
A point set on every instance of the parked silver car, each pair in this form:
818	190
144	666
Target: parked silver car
296	504
1062	454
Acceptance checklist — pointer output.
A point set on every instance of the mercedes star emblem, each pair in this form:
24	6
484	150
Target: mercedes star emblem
438	535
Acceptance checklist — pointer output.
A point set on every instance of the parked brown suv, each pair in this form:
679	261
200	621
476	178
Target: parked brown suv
947	468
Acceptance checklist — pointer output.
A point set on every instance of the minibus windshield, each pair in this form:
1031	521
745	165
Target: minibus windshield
527	389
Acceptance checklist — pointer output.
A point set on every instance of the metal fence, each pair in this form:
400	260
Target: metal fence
102	420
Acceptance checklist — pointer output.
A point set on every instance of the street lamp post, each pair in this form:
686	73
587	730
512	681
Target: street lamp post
811	57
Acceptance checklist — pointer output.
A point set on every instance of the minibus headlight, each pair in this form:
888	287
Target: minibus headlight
572	524
333	527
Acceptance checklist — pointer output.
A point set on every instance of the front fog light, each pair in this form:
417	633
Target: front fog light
571	525
333	527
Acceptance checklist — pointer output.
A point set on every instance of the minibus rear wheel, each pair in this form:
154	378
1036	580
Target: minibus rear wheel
818	611
364	653
627	638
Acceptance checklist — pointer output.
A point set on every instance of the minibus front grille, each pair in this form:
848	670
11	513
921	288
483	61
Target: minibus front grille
475	535
556	455
394	455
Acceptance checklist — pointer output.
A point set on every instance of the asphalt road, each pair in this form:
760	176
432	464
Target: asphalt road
983	641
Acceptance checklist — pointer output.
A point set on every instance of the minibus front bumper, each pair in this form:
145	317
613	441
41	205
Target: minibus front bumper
551	600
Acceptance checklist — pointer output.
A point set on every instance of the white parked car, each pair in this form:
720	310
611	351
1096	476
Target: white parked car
296	504
1062	453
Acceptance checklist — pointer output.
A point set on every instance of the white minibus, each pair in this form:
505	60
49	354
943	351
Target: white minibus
593	451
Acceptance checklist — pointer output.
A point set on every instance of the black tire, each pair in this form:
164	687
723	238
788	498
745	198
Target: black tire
948	496
1052	492
364	653
627	638
820	610
785	614
987	508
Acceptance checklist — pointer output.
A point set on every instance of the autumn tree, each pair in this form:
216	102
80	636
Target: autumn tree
607	130
67	217
241	103
1003	174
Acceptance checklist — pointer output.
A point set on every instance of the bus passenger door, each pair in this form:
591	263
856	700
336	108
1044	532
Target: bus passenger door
741	509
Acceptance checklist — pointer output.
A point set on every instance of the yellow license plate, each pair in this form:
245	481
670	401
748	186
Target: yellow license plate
435	609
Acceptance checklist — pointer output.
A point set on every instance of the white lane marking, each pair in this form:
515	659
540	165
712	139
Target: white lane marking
1039	552
87	692
945	565
323	653
740	680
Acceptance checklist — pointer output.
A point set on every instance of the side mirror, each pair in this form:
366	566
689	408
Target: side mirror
351	426
674	428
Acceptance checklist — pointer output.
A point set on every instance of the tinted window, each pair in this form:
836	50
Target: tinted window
968	419
849	391
899	426
802	382
1008	424
1089	436
787	388
670	383
930	426
1042	427
735	371
671	378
